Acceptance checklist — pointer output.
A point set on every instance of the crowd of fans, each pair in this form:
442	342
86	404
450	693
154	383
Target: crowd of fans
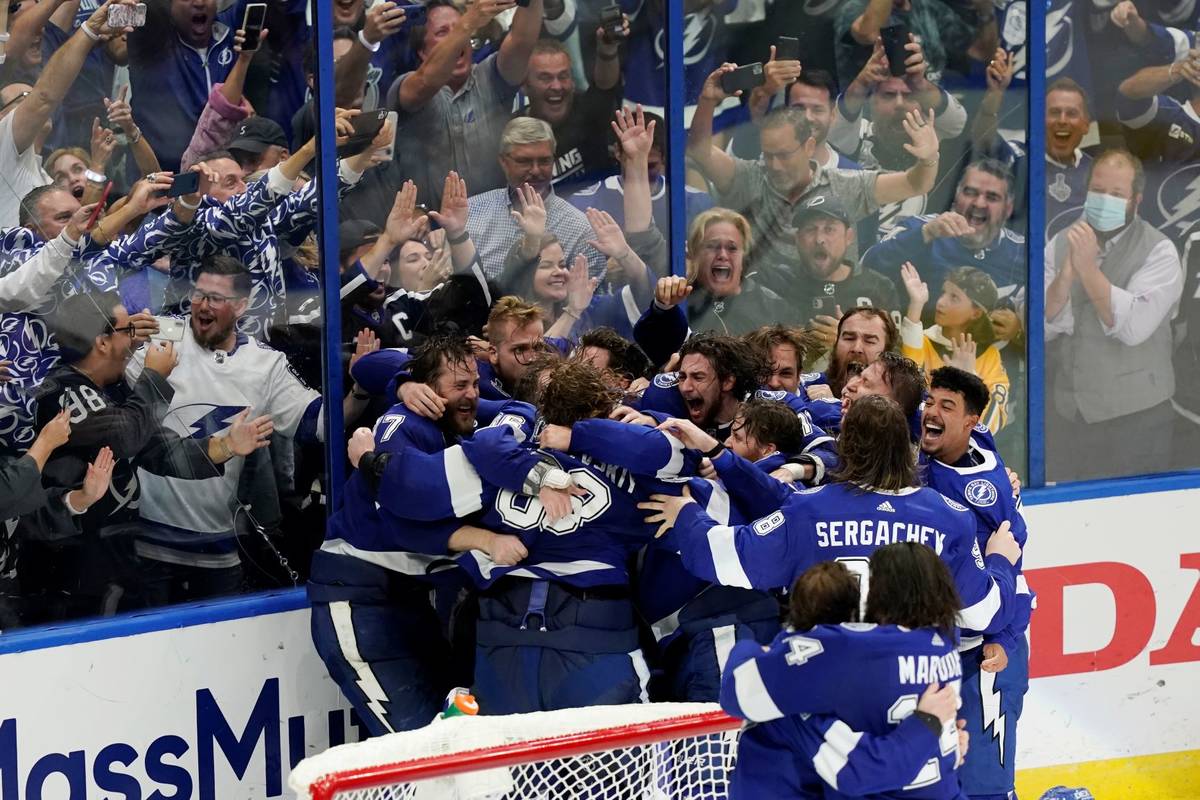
855	226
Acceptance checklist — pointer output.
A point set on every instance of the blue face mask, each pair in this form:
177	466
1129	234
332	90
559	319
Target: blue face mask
1104	212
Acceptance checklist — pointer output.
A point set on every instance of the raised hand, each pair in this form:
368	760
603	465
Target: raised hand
875	71
402	222
246	435
5	372
103	144
1084	247
711	90
923	138
671	291
160	357
635	136
56	432
119	112
778	74
98	477
915	65
962	353
144	325
999	71
454	213
531	219
1123	14
580	287
918	290
422	400
610	239
365	341
97	23
382	20
78	224
239	41
150	192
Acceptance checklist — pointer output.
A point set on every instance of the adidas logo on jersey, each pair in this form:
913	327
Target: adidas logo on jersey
886	506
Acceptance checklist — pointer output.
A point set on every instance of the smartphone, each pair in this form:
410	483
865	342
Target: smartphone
414	14
743	78
99	207
787	48
186	183
170	329
612	19
894	38
366	126
394	119
252	25
125	16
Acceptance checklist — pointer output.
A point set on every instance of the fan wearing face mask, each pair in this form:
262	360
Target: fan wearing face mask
1113	283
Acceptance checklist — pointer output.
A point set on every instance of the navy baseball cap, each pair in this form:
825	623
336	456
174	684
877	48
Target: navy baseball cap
256	134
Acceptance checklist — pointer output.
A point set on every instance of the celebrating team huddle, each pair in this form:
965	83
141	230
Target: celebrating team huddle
856	590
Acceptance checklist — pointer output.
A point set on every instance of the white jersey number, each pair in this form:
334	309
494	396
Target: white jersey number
526	513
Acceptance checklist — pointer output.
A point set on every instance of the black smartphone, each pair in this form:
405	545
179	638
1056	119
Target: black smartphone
366	126
186	183
894	38
611	19
414	14
252	25
787	48
743	78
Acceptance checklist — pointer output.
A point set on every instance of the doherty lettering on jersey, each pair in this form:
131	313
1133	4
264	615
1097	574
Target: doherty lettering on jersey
924	670
876	533
166	771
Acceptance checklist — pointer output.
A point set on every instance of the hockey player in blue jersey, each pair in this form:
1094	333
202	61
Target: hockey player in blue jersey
372	621
870	676
873	499
959	459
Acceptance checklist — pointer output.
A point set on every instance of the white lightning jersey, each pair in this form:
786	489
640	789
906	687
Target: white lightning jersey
211	388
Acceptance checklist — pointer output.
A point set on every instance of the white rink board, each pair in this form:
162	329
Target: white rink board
1136	708
178	705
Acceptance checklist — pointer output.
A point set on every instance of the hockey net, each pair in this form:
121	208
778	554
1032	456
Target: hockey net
657	751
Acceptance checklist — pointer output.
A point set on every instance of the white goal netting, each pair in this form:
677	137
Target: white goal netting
658	751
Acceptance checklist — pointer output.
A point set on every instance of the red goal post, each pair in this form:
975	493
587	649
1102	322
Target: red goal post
656	750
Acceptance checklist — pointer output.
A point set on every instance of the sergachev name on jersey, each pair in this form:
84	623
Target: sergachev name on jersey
876	533
922	670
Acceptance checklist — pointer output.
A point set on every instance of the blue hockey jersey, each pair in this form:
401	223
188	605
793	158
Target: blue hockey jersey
979	481
844	523
870	676
1165	134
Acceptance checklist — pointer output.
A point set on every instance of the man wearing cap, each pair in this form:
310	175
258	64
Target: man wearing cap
971	232
259	144
769	191
828	282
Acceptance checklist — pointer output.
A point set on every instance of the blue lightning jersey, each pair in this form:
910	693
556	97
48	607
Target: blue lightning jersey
1066	190
1066	43
979	481
1165	133
870	676
843	523
1003	260
383	526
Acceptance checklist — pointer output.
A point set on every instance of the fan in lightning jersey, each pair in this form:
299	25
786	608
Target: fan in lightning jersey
86	567
866	677
960	460
189	527
873	501
984	200
1165	134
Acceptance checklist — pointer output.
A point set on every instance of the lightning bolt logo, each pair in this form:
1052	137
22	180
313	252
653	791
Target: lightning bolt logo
1182	213
993	717
1057	22
343	627
210	423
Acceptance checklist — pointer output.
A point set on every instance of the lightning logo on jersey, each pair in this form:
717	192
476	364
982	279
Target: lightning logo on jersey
993	717
206	420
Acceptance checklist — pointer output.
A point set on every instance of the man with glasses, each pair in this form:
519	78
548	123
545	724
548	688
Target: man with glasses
89	567
769	191
527	149
188	527
25	112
